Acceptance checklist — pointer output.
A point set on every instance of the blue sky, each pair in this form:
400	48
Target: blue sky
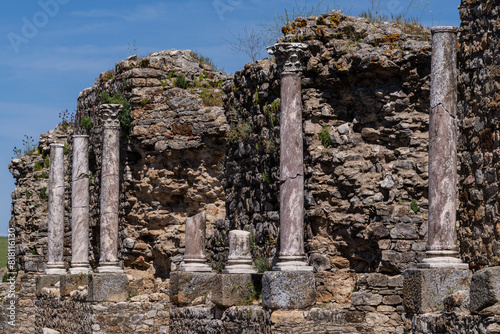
50	50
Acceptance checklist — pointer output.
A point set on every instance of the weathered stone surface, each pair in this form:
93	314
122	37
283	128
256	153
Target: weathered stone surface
236	289
108	287
424	290
71	282
46	281
288	290
186	287
365	298
485	290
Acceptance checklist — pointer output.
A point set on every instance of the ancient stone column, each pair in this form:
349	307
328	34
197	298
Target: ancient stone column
80	206
291	256
55	252
442	248
110	189
194	256
240	259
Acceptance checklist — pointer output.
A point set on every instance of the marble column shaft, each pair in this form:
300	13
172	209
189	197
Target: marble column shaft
55	251
240	258
291	255
194	256
442	248
80	206
110	189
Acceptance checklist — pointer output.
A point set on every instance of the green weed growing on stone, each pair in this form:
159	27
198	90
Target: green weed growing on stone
65	149
86	123
267	177
212	98
28	194
261	264
324	136
414	206
144	101
43	193
181	81
256	99
43	175
38	166
205	60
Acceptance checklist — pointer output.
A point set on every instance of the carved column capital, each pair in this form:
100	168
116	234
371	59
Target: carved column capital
289	56
110	114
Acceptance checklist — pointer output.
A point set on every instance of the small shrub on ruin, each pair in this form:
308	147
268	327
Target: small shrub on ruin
212	98
181	81
28	194
414	206
324	136
86	123
43	193
261	264
267	177
38	166
47	162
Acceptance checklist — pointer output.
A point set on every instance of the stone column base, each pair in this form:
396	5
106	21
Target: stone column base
288	289
55	268
424	290
109	267
195	266
442	259
110	287
186	287
80	268
292	263
236	289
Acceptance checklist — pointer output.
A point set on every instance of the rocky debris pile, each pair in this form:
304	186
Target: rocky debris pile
365	95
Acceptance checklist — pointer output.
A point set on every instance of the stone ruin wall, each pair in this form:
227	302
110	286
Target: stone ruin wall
479	149
373	98
368	85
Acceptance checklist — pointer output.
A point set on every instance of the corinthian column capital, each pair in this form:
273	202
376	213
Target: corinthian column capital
289	56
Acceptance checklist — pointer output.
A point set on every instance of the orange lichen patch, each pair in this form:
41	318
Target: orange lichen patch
335	19
424	50
301	23
388	52
286	30
391	38
458	46
320	31
340	67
